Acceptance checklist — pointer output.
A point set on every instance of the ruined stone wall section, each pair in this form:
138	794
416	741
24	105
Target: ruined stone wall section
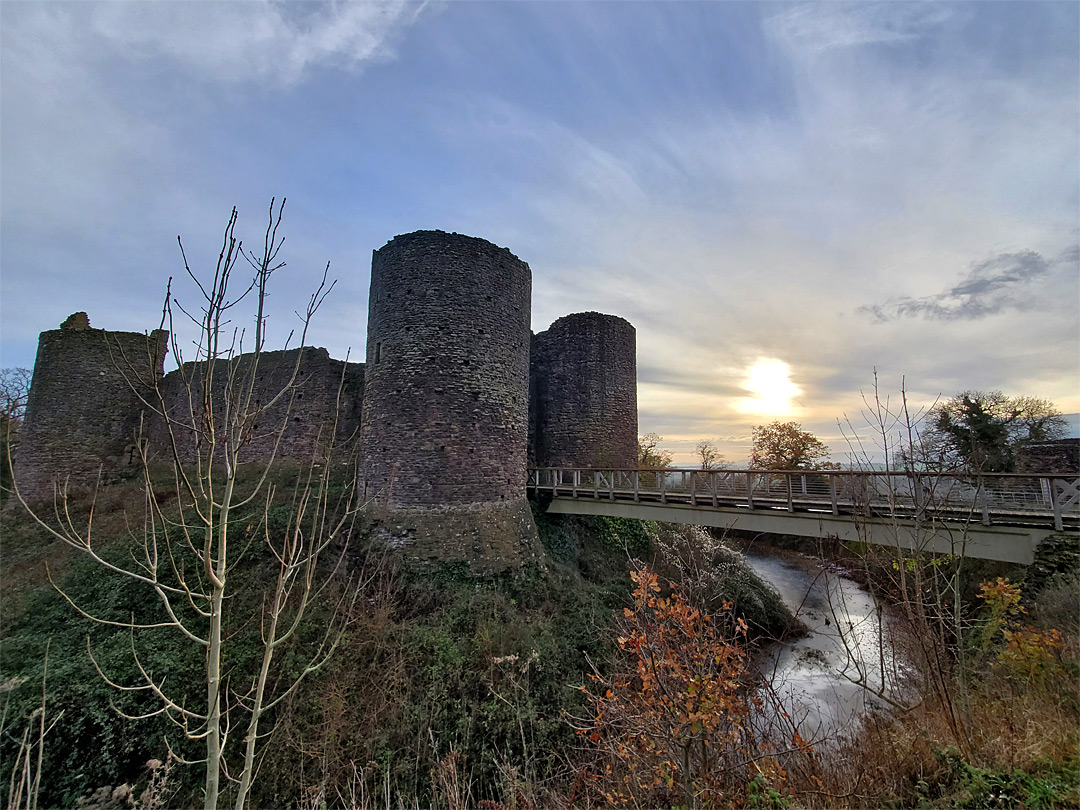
455	399
83	409
1060	455
308	415
446	398
584	381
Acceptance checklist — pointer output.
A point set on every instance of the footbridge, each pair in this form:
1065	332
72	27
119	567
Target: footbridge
993	516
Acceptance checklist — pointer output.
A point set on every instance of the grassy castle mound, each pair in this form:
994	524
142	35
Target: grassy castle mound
437	670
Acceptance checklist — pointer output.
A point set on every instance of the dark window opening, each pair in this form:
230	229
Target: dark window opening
378	352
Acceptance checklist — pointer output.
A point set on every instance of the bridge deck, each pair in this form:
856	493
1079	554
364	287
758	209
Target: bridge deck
994	516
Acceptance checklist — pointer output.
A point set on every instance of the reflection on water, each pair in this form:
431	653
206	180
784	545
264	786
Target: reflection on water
818	678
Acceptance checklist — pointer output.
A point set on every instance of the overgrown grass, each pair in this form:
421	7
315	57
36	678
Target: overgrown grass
431	665
1003	732
449	691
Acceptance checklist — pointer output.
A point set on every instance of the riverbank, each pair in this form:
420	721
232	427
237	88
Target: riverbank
450	691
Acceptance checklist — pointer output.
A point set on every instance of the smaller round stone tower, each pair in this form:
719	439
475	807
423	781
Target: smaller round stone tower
584	393
84	405
446	387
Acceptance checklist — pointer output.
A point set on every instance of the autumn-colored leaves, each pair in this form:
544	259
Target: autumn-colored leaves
670	725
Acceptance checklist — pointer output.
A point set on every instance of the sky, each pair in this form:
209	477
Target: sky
782	198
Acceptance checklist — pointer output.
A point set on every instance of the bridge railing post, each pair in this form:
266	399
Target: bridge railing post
693	489
790	495
714	482
1055	503
662	477
982	498
637	485
750	490
832	494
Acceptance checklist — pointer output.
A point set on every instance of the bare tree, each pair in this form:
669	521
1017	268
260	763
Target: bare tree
710	456
185	555
14	390
924	586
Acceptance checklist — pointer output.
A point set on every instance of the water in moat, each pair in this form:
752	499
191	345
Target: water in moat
819	677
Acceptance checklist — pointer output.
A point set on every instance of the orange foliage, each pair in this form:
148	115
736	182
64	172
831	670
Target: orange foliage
667	722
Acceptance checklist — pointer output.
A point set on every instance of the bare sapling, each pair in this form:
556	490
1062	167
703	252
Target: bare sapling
186	553
925	585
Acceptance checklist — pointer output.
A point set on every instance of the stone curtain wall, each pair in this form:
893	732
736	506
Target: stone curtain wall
84	407
456	397
308	414
584	393
446	400
1060	455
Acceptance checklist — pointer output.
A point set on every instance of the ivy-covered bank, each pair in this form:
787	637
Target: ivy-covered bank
437	673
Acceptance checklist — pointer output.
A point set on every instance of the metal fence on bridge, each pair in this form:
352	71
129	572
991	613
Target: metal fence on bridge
1002	498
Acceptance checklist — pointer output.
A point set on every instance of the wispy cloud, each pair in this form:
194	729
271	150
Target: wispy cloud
234	42
737	180
991	286
827	26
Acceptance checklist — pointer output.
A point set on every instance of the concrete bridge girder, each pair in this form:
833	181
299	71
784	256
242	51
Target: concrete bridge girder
1014	544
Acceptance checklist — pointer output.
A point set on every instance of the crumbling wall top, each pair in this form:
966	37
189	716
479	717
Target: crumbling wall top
76	320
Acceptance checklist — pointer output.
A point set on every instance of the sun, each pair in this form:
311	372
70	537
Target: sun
771	390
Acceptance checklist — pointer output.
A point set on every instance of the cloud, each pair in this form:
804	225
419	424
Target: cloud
234	42
991	286
828	26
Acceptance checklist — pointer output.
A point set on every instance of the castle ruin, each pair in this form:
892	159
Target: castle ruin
455	399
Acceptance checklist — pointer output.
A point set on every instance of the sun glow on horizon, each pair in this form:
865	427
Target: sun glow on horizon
772	391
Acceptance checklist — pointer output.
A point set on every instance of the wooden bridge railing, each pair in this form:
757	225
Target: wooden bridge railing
1002	498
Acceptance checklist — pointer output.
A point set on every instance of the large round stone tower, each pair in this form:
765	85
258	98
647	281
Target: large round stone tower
445	420
84	406
584	398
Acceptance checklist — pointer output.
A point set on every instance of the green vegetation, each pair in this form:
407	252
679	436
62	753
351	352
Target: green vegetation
449	691
432	665
983	431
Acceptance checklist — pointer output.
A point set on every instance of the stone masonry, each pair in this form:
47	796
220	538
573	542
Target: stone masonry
447	382
455	399
584	393
84	405
445	424
324	402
